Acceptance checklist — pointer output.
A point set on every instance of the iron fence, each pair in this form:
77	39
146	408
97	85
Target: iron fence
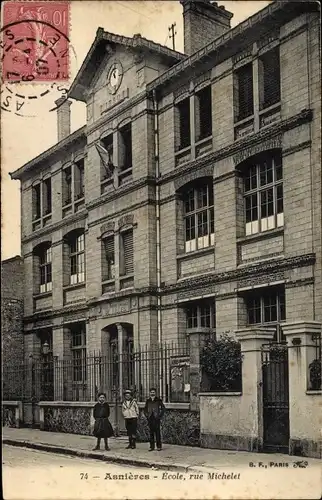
165	367
314	378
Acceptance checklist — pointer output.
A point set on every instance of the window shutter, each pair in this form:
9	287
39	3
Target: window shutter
128	252
109	248
245	75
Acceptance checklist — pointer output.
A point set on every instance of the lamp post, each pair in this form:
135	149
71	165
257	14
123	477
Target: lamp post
45	348
46	371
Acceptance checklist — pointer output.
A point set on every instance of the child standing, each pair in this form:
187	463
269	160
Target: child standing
102	428
130	412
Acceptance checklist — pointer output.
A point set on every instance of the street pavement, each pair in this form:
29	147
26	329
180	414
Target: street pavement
196	473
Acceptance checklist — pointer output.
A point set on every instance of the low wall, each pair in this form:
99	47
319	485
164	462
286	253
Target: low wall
179	425
305	433
66	416
12	415
226	423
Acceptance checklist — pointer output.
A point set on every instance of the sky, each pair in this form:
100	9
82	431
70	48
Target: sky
23	138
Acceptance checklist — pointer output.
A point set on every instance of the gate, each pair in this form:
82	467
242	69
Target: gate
275	398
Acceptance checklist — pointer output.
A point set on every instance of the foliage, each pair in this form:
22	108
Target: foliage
178	427
71	420
315	374
221	362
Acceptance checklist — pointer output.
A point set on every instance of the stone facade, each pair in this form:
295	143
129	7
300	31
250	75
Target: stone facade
151	302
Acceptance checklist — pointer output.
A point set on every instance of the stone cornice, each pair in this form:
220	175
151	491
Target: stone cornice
241	145
85	306
66	221
256	269
121	191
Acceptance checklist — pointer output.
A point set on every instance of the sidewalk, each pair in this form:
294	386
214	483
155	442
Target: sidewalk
172	457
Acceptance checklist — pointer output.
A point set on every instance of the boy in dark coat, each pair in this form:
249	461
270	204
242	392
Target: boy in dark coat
154	411
102	428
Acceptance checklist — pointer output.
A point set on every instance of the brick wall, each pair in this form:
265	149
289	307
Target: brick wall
314	42
12	310
203	22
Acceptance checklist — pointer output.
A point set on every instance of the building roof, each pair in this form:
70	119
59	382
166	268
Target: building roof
96	52
228	44
223	47
11	259
56	148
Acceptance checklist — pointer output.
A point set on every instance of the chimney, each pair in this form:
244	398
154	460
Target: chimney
203	21
63	117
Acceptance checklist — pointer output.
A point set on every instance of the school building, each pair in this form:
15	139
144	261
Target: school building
206	219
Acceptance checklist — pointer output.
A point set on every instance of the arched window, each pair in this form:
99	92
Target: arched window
198	200
263	193
43	267
75	242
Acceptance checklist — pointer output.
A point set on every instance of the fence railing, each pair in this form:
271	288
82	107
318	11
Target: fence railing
314	379
165	367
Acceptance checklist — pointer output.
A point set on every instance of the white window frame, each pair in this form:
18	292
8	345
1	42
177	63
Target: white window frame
196	215
255	195
79	254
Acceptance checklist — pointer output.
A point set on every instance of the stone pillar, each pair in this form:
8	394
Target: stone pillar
120	346
251	409
192	123
196	339
303	338
256	89
116	157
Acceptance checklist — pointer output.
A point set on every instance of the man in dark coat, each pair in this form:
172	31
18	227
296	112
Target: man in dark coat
154	411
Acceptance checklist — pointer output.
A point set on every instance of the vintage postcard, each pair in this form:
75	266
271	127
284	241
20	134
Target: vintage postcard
161	249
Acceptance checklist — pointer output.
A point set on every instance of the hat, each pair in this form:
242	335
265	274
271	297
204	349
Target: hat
127	391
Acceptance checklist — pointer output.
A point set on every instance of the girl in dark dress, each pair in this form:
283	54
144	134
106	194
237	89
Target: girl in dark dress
102	428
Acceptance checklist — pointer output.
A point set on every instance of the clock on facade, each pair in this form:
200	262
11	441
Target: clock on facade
114	78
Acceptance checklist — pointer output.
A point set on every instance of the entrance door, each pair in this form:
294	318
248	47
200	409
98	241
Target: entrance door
275	398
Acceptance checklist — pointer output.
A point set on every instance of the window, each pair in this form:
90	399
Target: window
41	203
269	78
67	191
36	201
107	143
263	192
73	180
199	217
183	114
126	147
201	314
47	196
108	271
266	306
245	100
127	264
79	179
45	259
77	259
203	114
78	347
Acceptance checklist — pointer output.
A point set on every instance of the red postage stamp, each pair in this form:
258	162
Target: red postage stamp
35	41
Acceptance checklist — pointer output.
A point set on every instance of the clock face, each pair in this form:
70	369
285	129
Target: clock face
114	78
